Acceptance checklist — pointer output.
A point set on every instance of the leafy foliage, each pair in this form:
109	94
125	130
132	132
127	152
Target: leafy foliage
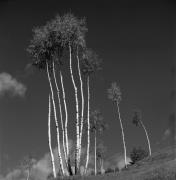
90	62
137	116
50	41
101	150
96	122
138	154
114	93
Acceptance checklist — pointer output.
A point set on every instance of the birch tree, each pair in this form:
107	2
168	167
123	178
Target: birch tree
73	33
49	45
42	51
96	126
115	95
101	150
90	63
137	121
49	139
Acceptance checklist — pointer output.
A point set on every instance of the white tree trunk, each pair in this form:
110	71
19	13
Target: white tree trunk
56	122
88	125
28	174
102	166
61	117
95	153
82	108
123	136
66	114
49	138
77	113
150	152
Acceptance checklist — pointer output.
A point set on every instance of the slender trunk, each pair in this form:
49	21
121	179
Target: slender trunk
61	117
150	152
88	125
82	109
77	114
66	114
101	166
28	174
49	138
56	122
95	152
123	137
66	125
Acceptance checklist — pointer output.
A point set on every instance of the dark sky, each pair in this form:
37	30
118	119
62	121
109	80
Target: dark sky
135	42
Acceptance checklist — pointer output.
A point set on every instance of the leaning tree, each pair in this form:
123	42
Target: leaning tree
115	95
137	121
90	63
49	138
96	126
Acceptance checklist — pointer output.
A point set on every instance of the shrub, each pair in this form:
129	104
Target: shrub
138	154
109	170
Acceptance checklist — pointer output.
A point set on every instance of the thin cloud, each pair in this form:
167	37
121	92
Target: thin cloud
43	167
10	85
117	161
167	133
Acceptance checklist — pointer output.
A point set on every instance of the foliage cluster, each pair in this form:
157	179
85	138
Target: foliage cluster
138	154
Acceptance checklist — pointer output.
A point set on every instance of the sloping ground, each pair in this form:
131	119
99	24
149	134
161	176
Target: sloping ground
160	166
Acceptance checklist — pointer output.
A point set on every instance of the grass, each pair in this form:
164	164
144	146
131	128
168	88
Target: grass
160	166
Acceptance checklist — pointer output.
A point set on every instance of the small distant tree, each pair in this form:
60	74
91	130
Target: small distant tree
138	154
90	63
101	151
115	95
96	126
27	164
137	121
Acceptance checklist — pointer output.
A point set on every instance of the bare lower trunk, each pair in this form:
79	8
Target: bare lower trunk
150	152
60	109
101	166
95	153
82	108
123	137
49	138
66	114
88	125
56	122
66	126
77	114
28	174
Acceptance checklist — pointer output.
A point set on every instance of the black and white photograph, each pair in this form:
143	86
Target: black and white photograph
87	90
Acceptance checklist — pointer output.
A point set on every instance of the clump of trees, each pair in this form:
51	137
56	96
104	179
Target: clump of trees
62	39
59	40
138	154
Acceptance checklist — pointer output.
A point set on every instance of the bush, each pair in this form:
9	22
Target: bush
138	154
109	170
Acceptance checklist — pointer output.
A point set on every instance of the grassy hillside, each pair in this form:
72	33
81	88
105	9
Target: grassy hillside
160	166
